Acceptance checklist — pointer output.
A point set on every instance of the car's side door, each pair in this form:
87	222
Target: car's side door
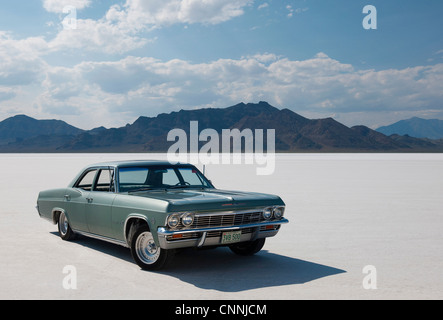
99	203
76	199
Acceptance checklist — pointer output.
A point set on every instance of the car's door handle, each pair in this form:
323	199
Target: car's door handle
67	197
89	200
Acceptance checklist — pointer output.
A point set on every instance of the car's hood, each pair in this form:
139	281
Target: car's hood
211	199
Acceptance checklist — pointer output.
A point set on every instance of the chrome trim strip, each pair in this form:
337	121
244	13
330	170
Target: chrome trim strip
162	231
95	236
209	241
133	216
53	212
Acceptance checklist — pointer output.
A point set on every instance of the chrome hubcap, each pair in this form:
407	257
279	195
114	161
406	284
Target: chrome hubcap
146	249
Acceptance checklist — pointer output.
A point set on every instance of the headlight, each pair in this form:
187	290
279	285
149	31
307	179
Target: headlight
278	212
173	220
187	219
267	213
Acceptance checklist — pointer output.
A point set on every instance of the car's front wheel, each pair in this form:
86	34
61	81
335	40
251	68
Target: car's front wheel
146	253
248	248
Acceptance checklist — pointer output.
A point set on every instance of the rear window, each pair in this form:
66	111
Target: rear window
86	181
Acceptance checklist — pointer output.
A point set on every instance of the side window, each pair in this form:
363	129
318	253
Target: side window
105	181
86	182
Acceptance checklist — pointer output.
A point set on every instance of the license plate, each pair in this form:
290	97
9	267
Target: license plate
231	237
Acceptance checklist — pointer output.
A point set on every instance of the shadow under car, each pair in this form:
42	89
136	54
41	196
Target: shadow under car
220	269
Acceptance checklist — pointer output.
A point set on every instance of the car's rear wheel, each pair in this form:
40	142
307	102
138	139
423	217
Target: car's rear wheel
248	248
146	253
64	229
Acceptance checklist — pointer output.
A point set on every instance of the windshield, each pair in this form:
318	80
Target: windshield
160	177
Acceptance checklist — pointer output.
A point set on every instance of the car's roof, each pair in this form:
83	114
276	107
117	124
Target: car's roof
126	163
135	163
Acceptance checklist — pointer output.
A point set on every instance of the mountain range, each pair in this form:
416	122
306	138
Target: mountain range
415	127
293	133
21	127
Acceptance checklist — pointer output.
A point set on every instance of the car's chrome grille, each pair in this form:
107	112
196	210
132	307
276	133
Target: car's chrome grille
226	220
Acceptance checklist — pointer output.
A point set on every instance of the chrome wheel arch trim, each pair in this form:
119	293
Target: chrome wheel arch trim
55	212
128	219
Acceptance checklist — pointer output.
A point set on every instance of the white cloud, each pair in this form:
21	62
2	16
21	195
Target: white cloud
123	28
263	5
57	6
301	10
126	88
97	35
6	93
137	86
159	13
20	61
291	11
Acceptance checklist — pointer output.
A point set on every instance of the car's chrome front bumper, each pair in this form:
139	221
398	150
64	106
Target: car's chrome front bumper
174	239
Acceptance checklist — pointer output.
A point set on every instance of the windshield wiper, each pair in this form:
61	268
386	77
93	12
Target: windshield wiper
142	189
186	186
178	187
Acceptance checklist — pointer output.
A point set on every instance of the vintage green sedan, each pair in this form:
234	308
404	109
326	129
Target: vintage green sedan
155	207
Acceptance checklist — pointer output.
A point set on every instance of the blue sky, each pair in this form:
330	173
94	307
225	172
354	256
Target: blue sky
124	59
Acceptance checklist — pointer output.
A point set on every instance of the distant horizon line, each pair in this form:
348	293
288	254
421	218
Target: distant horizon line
203	108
